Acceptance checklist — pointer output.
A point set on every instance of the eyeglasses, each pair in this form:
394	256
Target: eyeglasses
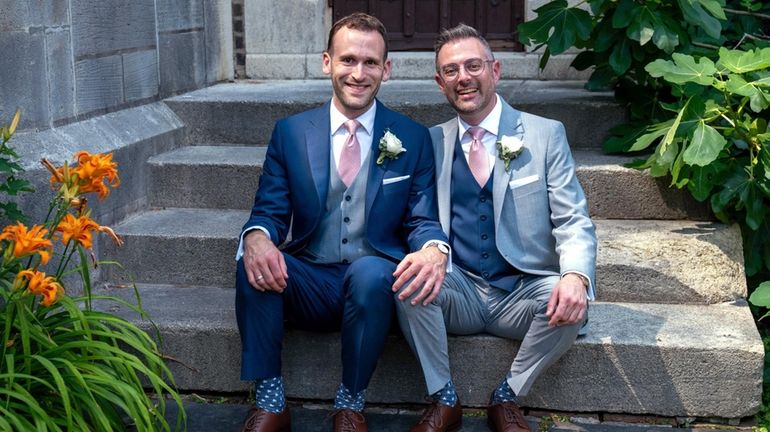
473	67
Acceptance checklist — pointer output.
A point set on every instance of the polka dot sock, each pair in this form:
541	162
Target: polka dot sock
447	395
269	394
503	393
344	399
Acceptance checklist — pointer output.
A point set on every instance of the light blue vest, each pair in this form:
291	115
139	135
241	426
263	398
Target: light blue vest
341	233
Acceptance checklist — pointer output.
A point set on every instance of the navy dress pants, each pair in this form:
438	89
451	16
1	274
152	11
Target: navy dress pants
355	298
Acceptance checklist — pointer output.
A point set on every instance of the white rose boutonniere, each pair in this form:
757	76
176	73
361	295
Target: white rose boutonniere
508	148
390	147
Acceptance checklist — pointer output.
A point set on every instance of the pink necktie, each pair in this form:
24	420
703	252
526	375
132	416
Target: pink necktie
350	158
477	157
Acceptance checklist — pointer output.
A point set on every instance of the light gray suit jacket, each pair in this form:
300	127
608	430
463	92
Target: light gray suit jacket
542	225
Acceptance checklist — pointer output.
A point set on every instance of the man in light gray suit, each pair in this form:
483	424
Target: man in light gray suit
523	245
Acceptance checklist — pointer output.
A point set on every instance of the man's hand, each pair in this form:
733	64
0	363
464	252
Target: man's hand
427	267
264	263
568	302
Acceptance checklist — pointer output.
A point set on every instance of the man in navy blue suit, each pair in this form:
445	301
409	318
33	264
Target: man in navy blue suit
354	183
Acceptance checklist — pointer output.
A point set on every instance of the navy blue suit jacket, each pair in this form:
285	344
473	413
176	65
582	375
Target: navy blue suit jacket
401	215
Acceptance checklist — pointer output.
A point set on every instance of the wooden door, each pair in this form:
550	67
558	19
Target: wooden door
414	24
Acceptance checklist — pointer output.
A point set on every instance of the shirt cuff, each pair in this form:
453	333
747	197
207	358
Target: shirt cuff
239	254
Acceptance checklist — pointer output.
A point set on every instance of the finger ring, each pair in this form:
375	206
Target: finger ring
260	277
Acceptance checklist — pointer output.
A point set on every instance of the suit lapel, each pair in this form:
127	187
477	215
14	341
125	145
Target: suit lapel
382	121
444	149
317	138
510	125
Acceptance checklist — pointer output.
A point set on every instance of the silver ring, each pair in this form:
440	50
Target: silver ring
260	277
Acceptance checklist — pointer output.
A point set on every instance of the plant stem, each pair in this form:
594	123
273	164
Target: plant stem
746	13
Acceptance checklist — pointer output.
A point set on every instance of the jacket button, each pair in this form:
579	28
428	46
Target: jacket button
344	241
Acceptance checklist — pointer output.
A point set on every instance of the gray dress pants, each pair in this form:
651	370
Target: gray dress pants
468	305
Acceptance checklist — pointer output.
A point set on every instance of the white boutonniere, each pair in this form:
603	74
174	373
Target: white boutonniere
390	147
508	148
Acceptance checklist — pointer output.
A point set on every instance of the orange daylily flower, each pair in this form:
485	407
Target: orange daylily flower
40	284
26	242
80	229
89	175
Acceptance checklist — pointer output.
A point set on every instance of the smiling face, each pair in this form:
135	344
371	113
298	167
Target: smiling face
473	97
357	66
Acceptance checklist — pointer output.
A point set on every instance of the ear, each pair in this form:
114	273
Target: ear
440	83
387	68
496	70
326	63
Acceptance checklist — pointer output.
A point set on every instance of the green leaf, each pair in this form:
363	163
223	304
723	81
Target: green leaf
759	101
623	137
665	38
624	14
761	295
620	59
656	132
701	181
755	208
736	84
558	25
705	145
739	61
683	69
695	14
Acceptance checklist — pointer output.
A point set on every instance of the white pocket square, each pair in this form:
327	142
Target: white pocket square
513	184
388	181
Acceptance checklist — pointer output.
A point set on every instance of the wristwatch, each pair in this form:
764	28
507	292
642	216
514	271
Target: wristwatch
444	249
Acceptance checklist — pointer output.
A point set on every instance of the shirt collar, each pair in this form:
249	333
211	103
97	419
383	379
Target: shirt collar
366	120
491	122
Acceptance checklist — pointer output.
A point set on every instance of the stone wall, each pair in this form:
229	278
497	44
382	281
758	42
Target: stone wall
67	60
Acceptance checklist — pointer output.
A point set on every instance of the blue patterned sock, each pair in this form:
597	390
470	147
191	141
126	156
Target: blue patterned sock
503	393
344	399
269	394
447	395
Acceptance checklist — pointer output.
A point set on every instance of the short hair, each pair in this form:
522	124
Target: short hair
458	32
359	21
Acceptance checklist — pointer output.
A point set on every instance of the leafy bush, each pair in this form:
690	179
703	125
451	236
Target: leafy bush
695	75
64	365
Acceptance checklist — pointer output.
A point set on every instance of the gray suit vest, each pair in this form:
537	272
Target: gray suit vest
341	233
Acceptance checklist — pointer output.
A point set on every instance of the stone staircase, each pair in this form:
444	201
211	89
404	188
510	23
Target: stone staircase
669	335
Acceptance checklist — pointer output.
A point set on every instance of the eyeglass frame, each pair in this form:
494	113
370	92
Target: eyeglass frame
464	67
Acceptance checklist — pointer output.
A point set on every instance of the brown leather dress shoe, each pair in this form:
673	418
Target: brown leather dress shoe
260	420
440	418
506	417
346	420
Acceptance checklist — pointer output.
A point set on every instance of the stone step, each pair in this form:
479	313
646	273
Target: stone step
638	261
671	360
245	112
216	176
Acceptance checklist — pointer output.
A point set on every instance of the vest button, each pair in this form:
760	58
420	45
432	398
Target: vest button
346	219
484	236
348	198
485	255
345	261
483	217
345	241
486	275
483	199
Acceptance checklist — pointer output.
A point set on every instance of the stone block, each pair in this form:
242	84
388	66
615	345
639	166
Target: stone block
61	74
289	26
182	62
672	360
132	135
277	66
558	67
24	85
112	25
195	176
99	83
179	14
50	13
20	15
140	74
219	40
